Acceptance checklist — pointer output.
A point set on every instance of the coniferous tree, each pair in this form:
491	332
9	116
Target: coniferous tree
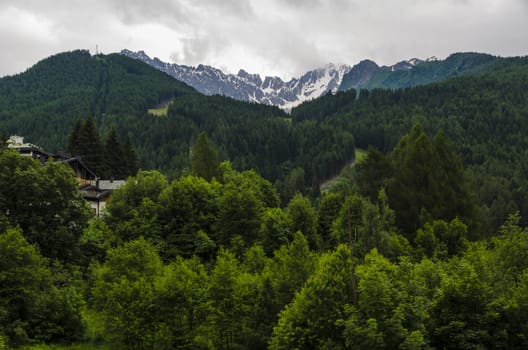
91	147
412	191
130	157
374	172
74	139
428	183
204	158
114	162
113	158
456	192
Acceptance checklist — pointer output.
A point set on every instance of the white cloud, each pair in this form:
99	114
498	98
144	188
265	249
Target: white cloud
22	34
274	37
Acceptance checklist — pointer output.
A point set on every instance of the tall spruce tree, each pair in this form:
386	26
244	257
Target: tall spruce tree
113	158
130	157
114	162
91	146
74	139
204	158
429	183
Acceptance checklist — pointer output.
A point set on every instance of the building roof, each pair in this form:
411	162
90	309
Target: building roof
77	161
92	192
94	196
33	151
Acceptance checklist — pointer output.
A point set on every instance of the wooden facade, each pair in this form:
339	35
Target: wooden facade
88	181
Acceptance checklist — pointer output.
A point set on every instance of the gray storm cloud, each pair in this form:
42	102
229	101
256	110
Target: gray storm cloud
273	37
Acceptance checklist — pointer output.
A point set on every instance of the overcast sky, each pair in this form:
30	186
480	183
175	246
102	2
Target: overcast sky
271	37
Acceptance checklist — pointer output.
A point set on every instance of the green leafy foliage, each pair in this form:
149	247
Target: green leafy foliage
239	215
44	201
275	229
182	304
124	291
32	307
304	219
21	274
309	322
188	210
439	238
329	207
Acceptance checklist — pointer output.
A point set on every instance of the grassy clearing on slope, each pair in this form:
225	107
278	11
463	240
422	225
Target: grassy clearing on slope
360	154
159	112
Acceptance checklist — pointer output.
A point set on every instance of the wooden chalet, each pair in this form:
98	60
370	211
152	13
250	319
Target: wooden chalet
94	190
83	174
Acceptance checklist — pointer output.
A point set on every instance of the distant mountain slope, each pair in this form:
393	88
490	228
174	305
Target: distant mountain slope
368	75
43	102
252	87
484	115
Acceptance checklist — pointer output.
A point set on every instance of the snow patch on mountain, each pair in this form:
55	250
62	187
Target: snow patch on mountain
252	87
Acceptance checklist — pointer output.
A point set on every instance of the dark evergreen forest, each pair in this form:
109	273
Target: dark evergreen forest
485	118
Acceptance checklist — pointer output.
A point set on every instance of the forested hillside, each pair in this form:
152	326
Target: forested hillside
485	118
258	137
43	103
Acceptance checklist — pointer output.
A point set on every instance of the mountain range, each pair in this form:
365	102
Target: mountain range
252	87
368	75
315	83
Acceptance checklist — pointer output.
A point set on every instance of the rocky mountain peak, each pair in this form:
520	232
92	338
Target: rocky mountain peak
252	87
